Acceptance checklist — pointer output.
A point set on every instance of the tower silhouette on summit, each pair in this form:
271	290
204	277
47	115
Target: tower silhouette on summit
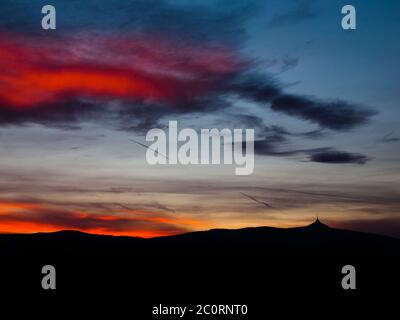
317	224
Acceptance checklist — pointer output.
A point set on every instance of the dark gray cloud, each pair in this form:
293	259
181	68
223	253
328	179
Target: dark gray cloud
272	146
275	142
288	63
335	114
338	157
390	137
254	86
67	114
313	134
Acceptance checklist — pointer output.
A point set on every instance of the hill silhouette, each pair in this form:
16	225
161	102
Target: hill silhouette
315	239
217	266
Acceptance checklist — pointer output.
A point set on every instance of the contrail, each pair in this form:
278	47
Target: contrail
256	200
147	147
122	206
156	205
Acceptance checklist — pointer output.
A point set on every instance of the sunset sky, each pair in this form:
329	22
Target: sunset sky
324	103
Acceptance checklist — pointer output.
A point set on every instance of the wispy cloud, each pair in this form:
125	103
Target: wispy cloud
300	11
390	137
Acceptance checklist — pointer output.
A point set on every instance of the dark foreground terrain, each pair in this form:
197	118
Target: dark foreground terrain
265	268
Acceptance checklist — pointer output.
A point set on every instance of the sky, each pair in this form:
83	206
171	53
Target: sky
323	101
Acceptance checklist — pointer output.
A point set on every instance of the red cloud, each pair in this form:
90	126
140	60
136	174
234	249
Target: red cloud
44	71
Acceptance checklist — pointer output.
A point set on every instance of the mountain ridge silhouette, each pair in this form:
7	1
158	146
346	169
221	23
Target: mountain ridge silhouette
314	239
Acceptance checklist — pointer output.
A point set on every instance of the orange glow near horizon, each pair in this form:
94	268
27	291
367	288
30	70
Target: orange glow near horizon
22	217
30	227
